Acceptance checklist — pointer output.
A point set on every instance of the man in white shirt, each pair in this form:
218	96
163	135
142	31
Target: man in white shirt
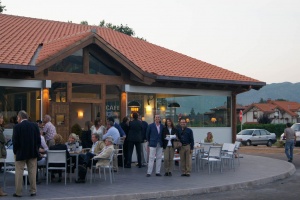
114	133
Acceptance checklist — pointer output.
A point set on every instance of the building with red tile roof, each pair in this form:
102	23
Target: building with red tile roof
99	70
279	111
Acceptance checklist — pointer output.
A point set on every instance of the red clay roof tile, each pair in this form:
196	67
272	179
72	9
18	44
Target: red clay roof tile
20	37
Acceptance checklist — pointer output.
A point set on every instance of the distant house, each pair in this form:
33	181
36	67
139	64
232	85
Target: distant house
279	111
218	114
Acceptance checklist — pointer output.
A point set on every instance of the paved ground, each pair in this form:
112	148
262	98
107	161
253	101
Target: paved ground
254	171
281	189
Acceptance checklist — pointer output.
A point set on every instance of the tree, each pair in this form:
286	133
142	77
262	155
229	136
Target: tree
84	23
262	100
264	119
2	8
121	28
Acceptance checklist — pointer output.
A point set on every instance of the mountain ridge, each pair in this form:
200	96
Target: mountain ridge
285	90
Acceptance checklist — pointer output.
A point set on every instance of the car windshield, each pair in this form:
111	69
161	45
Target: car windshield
245	132
296	127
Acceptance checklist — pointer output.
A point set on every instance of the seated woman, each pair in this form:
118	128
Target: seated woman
59	145
71	144
209	138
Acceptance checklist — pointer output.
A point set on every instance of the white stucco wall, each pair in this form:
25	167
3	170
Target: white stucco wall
221	135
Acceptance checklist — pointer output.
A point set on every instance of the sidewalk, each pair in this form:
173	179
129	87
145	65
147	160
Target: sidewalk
133	183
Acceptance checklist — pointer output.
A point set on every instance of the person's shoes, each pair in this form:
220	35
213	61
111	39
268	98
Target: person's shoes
2	193
80	181
15	195
38	182
166	174
188	175
289	160
170	173
33	194
183	174
115	170
157	174
148	175
127	166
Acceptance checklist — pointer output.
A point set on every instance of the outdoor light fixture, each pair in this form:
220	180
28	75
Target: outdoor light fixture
174	105
134	104
150	98
38	98
80	114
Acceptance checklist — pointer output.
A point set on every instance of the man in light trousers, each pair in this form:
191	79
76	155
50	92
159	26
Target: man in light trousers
154	137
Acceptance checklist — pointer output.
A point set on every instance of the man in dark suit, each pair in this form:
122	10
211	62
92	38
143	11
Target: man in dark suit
134	138
154	137
26	143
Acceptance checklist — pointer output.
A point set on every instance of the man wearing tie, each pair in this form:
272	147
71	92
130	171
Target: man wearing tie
154	137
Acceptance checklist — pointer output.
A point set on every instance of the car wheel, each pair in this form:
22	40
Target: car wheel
269	143
248	143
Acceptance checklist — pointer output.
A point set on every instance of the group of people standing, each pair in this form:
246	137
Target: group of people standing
161	137
29	136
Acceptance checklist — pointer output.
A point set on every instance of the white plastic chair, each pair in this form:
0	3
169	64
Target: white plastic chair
9	167
214	156
236	150
120	151
228	155
57	157
109	166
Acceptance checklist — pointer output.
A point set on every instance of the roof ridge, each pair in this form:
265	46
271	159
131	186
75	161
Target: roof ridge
67	36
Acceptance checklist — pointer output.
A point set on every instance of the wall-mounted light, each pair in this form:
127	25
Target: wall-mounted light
213	119
150	98
148	109
80	114
38	98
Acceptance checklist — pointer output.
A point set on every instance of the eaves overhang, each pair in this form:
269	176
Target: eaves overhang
17	71
236	85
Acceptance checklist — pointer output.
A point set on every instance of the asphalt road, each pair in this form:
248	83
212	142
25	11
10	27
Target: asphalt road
282	189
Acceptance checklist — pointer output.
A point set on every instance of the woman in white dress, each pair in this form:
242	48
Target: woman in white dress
98	128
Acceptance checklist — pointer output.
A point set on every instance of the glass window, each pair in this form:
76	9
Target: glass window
256	132
98	67
72	64
58	92
263	132
254	114
14	99
200	111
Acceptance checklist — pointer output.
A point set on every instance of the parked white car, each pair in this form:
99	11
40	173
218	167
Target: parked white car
256	137
296	128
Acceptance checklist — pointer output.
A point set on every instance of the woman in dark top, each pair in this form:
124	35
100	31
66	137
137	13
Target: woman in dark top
134	138
169	134
86	136
59	145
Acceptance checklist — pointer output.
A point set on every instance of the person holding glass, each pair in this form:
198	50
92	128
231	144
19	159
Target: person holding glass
169	133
